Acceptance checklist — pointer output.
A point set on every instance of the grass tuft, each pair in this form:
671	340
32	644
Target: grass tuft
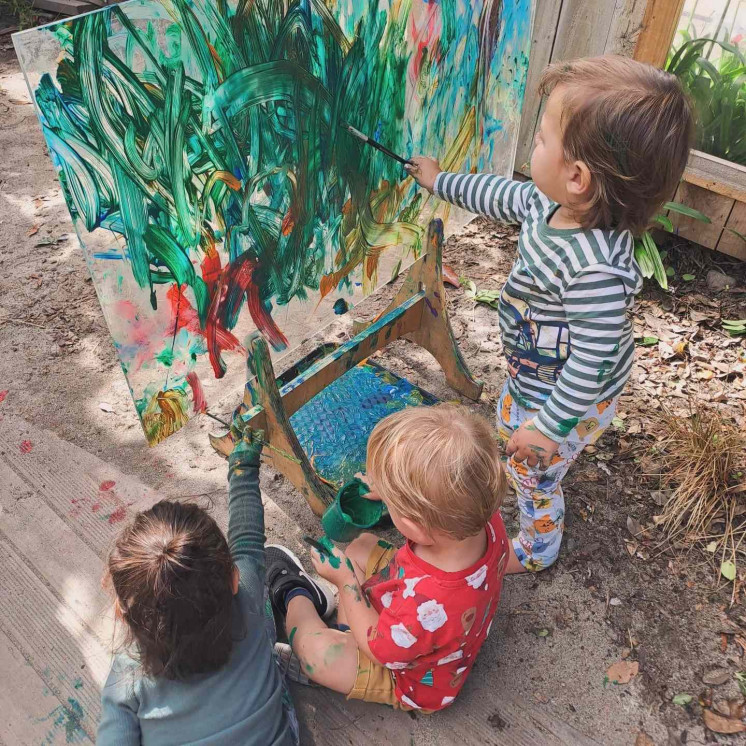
703	461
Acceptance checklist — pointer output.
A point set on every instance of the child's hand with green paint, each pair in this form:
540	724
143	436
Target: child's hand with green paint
247	441
332	564
424	171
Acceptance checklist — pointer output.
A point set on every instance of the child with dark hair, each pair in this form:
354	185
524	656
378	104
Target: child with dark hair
198	664
611	147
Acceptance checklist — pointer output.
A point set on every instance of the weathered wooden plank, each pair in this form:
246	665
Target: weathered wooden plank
625	29
730	243
546	17
717	175
64	7
715	206
658	28
564	31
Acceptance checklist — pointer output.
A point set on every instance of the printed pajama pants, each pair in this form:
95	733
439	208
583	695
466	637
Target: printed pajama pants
539	489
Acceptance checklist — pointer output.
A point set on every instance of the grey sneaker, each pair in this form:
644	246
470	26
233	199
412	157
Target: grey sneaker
290	665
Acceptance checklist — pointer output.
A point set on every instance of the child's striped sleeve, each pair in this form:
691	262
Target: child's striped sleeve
486	194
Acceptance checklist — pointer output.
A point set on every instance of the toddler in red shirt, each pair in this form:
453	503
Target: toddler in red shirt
411	621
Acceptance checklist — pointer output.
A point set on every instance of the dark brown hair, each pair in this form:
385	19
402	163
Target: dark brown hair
632	125
172	573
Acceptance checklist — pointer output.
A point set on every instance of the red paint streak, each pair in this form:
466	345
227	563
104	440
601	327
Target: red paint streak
198	394
96	507
426	38
107	485
211	268
188	319
26	446
3	394
118	515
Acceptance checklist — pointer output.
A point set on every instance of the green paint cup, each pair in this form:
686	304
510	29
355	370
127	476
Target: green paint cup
351	513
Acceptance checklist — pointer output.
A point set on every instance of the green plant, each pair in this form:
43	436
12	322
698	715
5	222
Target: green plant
646	251
718	90
21	10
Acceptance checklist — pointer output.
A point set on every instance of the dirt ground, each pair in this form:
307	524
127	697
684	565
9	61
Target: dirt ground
610	598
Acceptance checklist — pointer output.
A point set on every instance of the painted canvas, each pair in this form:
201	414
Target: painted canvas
200	149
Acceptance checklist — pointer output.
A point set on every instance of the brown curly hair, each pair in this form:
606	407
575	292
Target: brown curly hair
632	125
172	572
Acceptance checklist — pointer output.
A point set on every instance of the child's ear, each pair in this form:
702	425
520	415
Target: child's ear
413	531
579	183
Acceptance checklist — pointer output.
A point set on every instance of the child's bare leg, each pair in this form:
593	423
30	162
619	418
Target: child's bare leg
358	552
328	656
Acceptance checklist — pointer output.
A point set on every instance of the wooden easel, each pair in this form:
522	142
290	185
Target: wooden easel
417	313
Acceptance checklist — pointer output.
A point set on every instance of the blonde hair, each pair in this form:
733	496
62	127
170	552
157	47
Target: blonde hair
632	125
439	467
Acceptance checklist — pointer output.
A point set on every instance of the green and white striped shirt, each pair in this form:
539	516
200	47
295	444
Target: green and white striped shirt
563	309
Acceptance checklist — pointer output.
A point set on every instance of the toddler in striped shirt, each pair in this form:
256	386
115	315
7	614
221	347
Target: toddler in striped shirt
611	147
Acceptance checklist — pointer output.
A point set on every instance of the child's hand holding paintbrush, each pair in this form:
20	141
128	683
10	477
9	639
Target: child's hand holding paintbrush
421	168
424	171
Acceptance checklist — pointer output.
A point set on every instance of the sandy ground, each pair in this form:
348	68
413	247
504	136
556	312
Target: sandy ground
557	633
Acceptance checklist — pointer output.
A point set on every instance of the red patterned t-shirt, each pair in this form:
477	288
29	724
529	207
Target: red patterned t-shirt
432	623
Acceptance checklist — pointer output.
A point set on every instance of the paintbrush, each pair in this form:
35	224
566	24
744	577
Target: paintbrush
377	145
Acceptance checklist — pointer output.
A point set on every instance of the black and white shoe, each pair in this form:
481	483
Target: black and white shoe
285	572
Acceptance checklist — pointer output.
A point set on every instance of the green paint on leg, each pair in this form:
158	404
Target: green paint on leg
291	636
384	544
333	653
308	667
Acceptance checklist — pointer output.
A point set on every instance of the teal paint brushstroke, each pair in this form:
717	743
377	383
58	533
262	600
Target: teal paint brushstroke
204	138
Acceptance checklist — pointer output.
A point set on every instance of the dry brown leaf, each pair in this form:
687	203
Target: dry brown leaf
665	350
643	739
634	526
716	676
622	672
33	230
719	724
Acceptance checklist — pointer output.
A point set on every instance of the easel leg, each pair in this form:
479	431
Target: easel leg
435	333
279	432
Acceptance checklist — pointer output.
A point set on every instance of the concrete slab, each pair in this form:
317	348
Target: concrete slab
60	509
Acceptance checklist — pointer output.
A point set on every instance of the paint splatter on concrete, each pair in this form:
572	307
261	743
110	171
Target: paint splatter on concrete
107	485
3	394
26	446
68	717
118	515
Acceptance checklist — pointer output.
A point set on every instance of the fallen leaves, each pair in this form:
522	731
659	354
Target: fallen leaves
728	570
716	676
622	672
106	407
33	230
721	724
682	700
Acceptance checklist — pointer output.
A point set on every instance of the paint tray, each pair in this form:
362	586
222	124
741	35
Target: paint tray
333	428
